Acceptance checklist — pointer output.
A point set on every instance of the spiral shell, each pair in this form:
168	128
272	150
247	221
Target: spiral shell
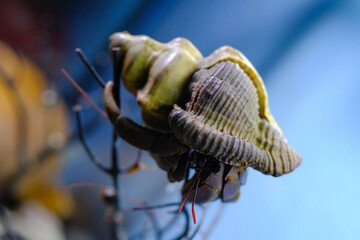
228	116
157	73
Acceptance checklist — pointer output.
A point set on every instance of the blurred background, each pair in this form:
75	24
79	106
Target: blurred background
307	52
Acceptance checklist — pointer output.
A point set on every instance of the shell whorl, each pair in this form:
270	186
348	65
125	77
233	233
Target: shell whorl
223	120
157	73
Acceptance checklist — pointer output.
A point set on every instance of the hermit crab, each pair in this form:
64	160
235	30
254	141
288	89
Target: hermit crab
209	114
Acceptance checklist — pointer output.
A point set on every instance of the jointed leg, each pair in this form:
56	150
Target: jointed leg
158	143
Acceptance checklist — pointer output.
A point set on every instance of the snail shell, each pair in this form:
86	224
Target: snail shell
228	116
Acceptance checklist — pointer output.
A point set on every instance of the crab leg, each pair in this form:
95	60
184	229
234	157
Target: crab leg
158	143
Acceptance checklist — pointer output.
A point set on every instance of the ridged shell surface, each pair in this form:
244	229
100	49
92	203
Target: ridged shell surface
222	120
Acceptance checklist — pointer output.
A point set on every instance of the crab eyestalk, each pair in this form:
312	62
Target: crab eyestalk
212	180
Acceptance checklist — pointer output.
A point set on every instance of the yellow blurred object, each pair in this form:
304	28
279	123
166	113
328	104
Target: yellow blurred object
33	127
138	167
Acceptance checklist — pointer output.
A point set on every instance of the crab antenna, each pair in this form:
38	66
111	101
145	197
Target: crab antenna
90	67
193	203
101	112
182	204
187	195
116	65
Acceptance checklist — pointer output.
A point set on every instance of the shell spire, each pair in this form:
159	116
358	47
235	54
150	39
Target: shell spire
157	73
